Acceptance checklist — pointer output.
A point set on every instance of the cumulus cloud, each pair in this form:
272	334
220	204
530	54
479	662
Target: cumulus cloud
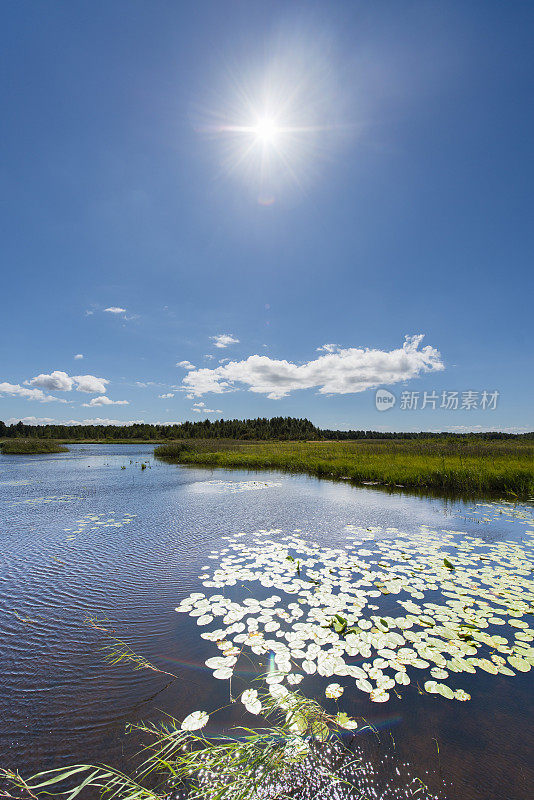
56	381
90	384
78	355
200	408
16	390
346	371
185	365
224	339
100	421
328	348
104	401
115	310
166	395
61	382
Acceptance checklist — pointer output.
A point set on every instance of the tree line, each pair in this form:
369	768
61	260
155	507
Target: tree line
261	428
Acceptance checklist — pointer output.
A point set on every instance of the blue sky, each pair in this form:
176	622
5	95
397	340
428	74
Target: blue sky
282	175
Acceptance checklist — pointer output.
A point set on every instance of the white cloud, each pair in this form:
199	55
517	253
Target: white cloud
30	420
99	421
328	348
483	429
16	390
90	384
347	371
78	355
95	421
104	401
200	408
56	381
166	395
61	382
185	365
115	310
224	339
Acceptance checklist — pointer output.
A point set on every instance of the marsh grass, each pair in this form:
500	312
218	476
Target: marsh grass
452	466
300	748
31	447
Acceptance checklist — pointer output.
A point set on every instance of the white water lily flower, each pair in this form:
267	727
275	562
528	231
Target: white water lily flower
195	721
334	690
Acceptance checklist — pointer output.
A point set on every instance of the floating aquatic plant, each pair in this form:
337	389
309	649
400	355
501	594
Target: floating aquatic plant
462	603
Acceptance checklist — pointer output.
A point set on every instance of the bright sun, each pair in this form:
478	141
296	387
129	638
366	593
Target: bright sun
266	130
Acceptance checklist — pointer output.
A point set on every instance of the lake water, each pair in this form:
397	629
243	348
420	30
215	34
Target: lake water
80	536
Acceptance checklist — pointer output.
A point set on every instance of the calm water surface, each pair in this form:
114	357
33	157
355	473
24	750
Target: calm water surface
61	703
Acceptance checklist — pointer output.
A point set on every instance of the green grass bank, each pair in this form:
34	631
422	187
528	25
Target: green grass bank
454	467
20	447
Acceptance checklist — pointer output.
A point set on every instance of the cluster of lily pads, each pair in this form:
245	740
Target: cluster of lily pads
491	512
456	603
66	498
92	522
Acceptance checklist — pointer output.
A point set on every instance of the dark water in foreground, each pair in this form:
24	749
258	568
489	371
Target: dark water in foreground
59	703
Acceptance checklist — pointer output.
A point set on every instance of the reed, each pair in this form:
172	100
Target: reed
31	447
450	466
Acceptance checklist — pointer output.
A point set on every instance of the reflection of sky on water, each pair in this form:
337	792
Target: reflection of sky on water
61	701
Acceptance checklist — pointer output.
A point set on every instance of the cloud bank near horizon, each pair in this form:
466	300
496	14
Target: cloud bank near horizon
339	371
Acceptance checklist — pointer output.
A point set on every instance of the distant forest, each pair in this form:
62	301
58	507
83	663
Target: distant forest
281	428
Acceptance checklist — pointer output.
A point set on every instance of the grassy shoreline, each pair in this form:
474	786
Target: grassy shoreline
23	447
449	467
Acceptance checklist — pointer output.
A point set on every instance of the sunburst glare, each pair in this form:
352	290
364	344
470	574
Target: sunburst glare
274	126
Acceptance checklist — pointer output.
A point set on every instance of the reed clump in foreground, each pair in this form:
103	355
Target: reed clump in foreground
31	447
452	466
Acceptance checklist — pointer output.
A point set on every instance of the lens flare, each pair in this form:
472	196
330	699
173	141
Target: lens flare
274	125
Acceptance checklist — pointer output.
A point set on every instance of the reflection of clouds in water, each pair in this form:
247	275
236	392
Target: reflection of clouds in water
462	607
232	487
